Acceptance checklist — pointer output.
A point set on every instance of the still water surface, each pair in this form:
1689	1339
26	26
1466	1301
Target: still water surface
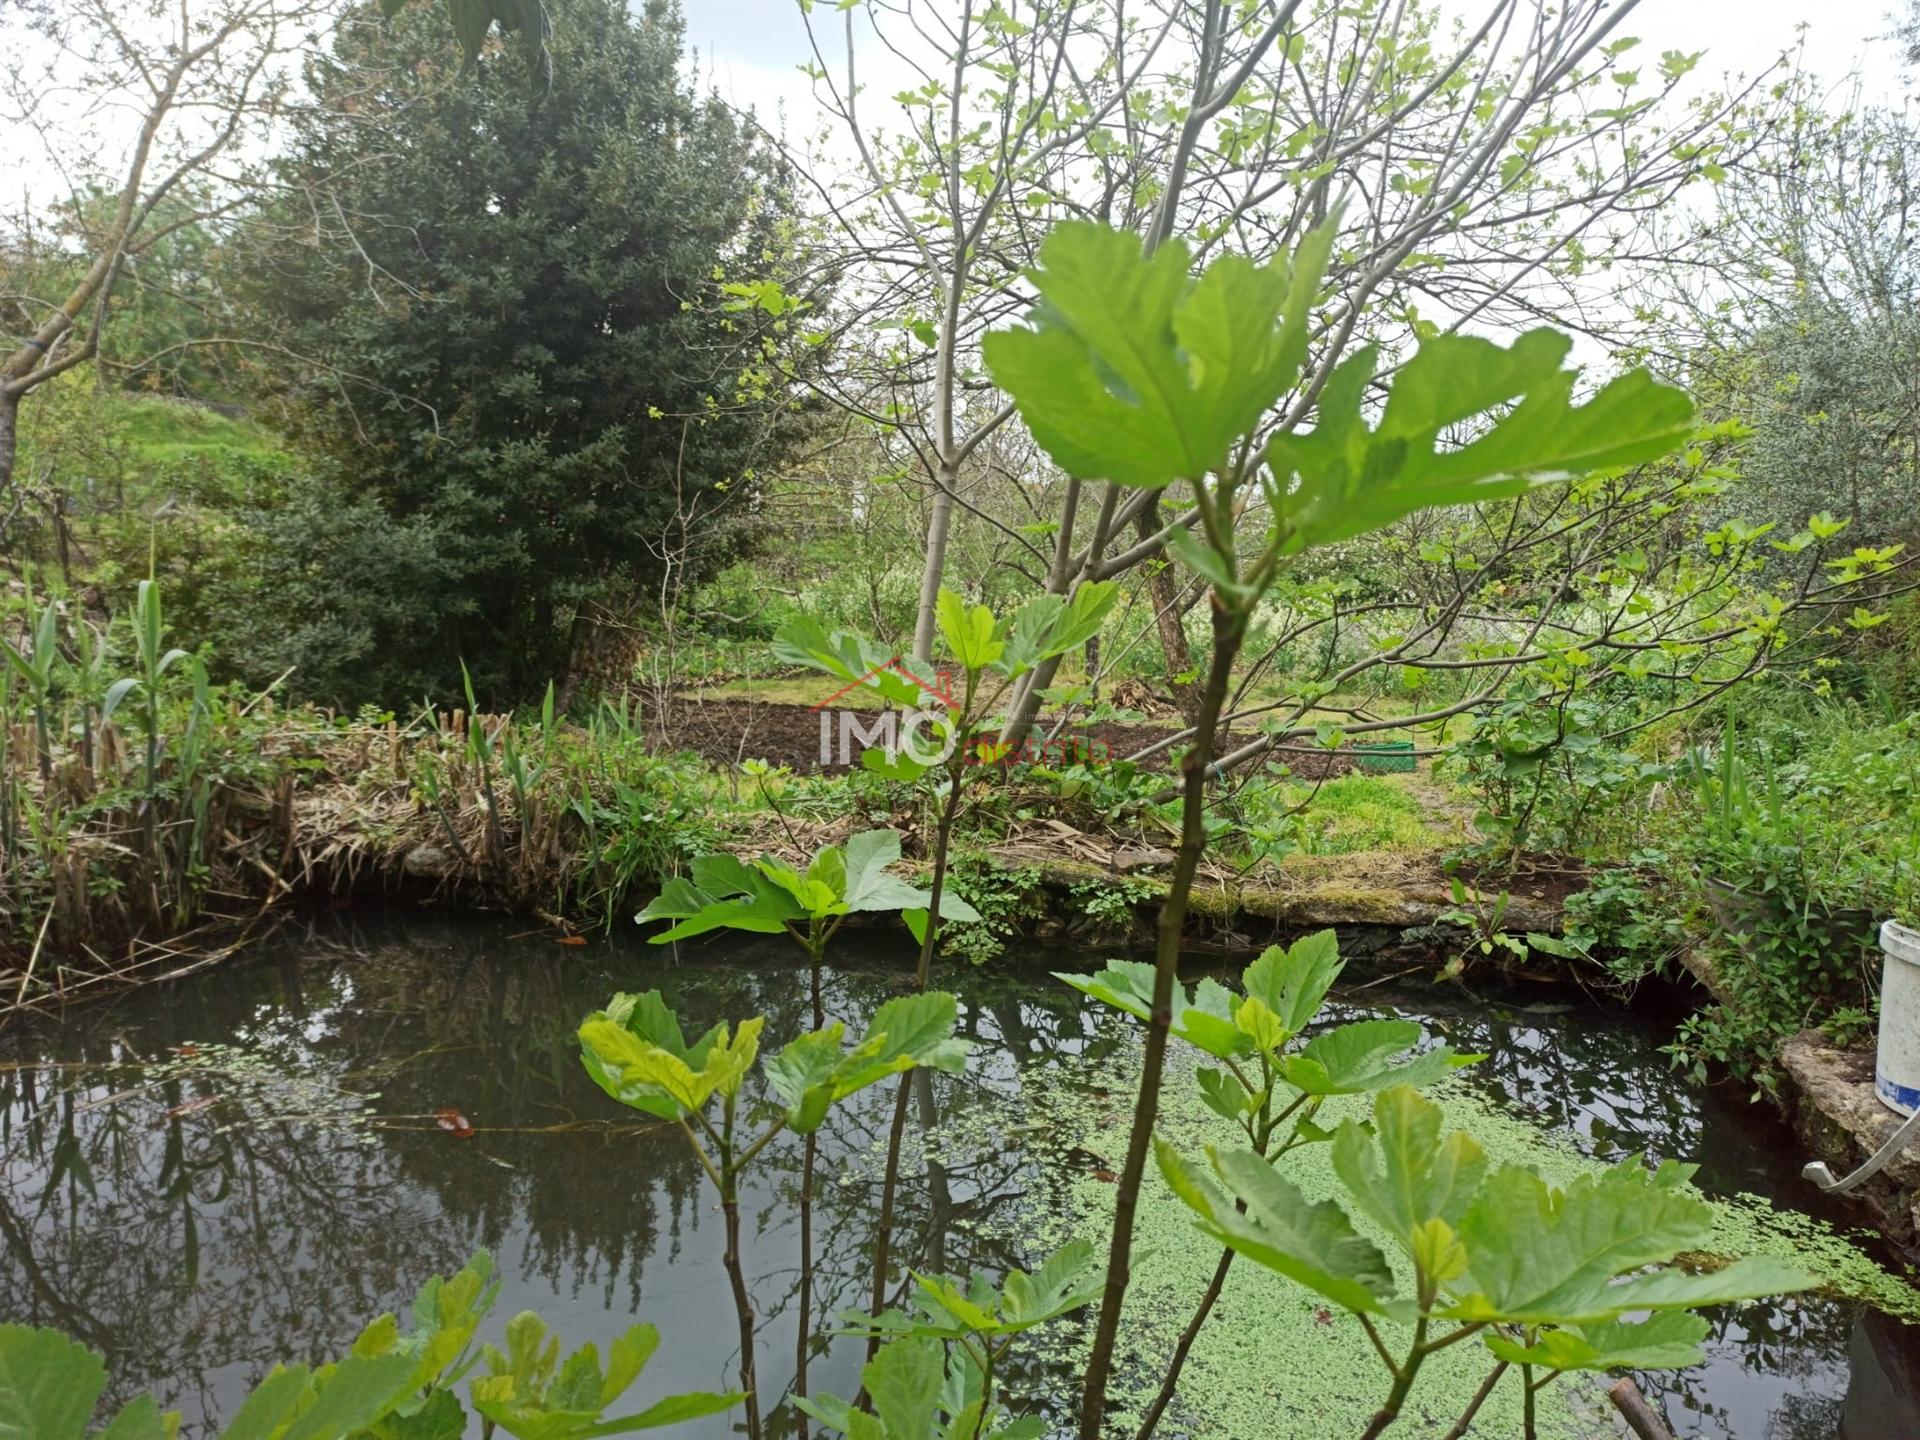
285	1174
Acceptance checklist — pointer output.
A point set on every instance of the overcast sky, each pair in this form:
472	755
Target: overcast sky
749	48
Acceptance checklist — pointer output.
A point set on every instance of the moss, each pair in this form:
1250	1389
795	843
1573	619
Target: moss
1334	904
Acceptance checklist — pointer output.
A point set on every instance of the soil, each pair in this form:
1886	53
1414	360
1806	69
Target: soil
729	731
1545	879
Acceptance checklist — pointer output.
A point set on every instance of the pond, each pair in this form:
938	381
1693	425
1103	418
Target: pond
246	1166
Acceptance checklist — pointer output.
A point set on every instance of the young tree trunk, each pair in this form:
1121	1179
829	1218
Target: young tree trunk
1168	615
1229	628
9	442
939	526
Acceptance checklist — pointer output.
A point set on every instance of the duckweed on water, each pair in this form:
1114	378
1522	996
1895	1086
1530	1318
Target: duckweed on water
1274	1352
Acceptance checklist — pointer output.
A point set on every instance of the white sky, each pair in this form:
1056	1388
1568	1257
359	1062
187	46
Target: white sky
749	48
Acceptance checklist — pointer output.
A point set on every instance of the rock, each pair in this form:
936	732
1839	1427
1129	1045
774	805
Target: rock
1128	861
435	862
1843	1122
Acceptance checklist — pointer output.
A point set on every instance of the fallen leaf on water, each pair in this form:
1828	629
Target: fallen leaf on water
454	1123
569	939
186	1108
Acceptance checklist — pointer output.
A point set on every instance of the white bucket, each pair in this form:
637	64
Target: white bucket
1896	1070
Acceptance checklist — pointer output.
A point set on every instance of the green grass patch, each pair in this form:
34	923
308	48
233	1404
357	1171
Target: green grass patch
1368	812
167	432
791	690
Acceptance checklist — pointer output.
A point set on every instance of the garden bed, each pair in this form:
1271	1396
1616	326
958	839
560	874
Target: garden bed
726	732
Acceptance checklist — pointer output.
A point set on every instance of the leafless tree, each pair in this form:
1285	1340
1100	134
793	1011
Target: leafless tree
138	118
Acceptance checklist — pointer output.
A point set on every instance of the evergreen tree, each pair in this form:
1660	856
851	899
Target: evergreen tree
532	393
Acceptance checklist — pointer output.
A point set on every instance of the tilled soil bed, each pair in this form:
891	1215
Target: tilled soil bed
729	731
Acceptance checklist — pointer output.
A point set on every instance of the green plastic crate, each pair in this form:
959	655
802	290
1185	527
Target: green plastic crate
1386	757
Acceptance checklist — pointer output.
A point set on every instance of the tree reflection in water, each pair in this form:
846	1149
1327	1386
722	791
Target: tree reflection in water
238	1206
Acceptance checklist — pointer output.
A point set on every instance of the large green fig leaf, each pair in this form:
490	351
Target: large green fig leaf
1131	371
1070	1278
1344	478
816	1071
1311	1243
1293	982
1412	1176
1666	1340
852	658
1364	1056
48	1384
657	1081
533	1395
1205	1021
905	1380
1539	1255
870	886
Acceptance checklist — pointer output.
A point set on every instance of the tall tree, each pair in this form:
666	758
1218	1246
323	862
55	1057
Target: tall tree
567	399
1801	315
1477	170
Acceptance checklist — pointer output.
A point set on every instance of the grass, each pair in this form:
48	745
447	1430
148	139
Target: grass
790	690
1372	812
164	432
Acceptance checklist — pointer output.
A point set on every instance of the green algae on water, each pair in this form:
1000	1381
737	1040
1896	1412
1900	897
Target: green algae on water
1275	1358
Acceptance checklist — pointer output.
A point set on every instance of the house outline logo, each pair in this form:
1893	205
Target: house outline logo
894	729
941	689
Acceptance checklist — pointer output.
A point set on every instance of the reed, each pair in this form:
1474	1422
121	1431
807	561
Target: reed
150	818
